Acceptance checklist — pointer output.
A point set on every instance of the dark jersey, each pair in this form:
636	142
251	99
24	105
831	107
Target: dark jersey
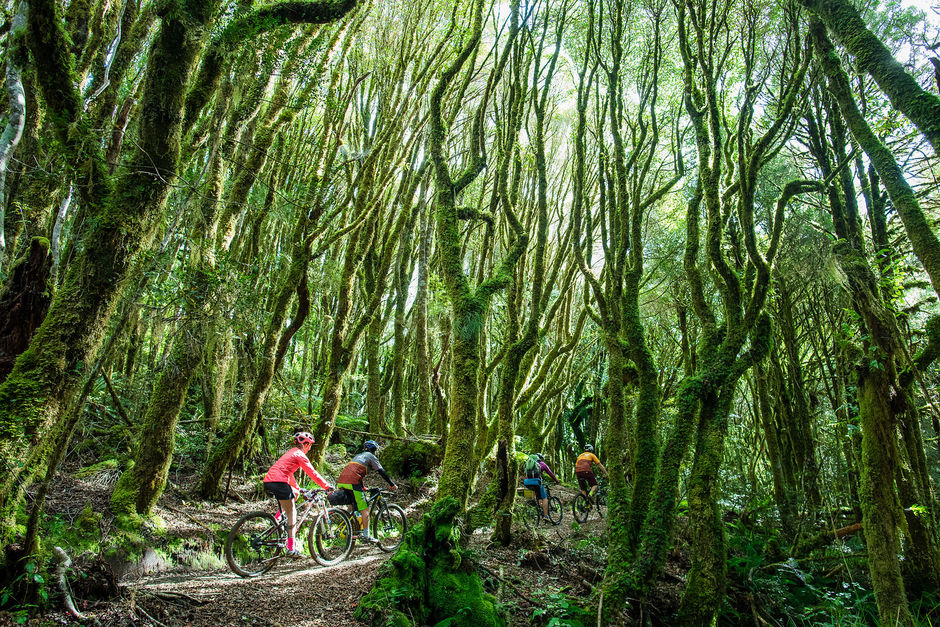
359	466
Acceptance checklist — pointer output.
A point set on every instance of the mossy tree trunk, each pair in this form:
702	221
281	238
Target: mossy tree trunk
629	191
879	410
468	303
423	420
372	355
844	21
923	239
740	337
119	218
705	589
403	273
881	511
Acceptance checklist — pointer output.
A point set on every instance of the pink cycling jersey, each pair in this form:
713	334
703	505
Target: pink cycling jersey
284	468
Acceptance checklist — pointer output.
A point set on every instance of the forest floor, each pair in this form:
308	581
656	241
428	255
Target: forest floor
549	574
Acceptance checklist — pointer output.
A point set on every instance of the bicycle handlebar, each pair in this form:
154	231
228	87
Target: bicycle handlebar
309	494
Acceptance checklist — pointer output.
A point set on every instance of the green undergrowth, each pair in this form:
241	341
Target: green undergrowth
430	580
828	587
561	610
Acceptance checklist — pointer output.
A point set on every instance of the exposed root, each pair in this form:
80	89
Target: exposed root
64	562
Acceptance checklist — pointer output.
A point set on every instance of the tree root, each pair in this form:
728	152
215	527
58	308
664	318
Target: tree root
521	594
64	562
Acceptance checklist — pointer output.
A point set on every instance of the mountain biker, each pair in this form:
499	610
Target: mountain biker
350	481
534	467
280	483
584	471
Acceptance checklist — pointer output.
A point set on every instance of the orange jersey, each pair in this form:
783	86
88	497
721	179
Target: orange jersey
583	464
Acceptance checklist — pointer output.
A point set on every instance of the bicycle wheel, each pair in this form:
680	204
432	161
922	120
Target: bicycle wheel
389	526
330	538
531	514
555	511
601	504
581	507
254	544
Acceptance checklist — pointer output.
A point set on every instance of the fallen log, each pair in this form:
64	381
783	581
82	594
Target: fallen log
826	537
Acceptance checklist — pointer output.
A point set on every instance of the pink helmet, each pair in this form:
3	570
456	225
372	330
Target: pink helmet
303	437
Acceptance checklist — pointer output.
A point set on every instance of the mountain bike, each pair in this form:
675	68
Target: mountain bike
258	540
387	521
582	505
531	510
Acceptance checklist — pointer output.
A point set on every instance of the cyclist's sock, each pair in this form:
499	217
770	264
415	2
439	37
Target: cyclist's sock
290	544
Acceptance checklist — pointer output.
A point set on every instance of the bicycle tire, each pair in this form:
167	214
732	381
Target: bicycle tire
389	526
601	504
555	511
580	508
331	537
254	544
531	515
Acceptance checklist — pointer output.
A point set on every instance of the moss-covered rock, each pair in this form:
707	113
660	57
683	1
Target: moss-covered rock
411	458
429	581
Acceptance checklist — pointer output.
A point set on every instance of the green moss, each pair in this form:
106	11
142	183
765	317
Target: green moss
89	518
411	458
94	469
123	502
429	580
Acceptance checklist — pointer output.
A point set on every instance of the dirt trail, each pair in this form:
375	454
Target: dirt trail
303	593
299	593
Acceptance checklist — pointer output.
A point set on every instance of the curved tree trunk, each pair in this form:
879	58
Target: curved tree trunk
272	352
923	240
420	308
845	23
119	220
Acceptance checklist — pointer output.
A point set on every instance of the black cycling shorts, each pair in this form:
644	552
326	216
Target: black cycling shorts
280	490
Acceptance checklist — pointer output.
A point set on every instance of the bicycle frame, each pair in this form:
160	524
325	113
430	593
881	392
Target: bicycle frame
375	500
315	501
535	499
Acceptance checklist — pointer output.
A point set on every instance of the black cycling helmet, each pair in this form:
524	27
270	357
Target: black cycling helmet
589	448
370	445
540	456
